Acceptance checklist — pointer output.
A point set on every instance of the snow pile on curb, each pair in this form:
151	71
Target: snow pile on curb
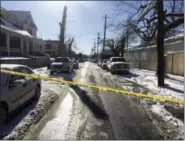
33	117
171	114
42	71
167	116
148	79
13	58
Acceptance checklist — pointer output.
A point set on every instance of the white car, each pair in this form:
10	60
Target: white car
118	64
61	64
16	90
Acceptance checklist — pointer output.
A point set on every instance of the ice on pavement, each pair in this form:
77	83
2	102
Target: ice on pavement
174	88
55	128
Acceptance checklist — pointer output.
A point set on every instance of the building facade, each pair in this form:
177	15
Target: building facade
19	34
51	47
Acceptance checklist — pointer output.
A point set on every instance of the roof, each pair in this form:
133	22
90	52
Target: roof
22	15
8	24
21	32
52	41
11	66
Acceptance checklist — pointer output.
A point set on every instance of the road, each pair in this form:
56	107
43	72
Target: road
93	114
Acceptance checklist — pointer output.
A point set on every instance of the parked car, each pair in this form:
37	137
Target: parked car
75	64
104	64
16	90
81	60
118	64
99	62
50	62
61	64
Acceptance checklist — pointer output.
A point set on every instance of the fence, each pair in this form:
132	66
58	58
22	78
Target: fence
146	57
175	63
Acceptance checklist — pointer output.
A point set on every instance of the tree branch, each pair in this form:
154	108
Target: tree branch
174	24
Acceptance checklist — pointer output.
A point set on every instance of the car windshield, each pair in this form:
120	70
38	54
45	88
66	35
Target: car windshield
118	60
61	60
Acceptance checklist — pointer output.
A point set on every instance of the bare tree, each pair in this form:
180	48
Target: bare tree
126	37
70	45
146	26
110	43
147	19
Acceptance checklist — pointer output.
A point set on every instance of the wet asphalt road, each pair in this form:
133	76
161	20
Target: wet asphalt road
93	114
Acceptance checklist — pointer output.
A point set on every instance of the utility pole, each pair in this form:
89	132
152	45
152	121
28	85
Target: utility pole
160	43
94	48
98	40
105	28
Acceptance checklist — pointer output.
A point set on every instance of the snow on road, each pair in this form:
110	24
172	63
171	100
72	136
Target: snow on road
174	89
59	123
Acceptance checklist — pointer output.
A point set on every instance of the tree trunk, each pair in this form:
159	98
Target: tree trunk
160	43
122	46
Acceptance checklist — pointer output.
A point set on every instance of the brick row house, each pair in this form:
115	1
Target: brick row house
18	35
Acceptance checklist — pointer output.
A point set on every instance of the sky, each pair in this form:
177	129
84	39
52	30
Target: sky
84	19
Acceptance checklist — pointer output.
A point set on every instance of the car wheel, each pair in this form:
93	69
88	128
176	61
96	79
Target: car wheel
37	92
3	115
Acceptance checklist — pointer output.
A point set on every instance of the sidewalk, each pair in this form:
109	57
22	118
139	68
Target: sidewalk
174	85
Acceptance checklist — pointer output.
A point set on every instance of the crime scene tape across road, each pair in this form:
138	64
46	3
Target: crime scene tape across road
102	88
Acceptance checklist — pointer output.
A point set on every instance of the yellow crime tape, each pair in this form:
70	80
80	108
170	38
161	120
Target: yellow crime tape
102	88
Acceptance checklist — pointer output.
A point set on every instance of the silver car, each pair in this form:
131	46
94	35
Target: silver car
16	90
61	64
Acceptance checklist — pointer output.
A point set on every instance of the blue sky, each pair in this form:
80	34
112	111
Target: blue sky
84	19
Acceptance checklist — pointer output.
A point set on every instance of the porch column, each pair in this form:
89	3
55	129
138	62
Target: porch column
27	47
43	48
8	43
22	45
